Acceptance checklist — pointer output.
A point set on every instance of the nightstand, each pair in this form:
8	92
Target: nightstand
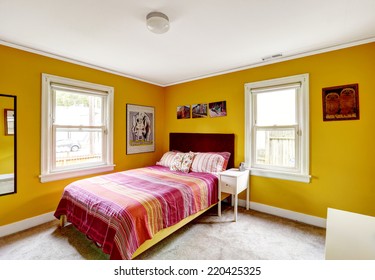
234	181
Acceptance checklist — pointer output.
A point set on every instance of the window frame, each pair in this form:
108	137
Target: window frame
302	151
48	172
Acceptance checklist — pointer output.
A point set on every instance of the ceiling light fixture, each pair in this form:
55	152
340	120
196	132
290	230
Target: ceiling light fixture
157	22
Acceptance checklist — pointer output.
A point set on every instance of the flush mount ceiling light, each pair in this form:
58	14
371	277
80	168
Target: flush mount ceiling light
157	22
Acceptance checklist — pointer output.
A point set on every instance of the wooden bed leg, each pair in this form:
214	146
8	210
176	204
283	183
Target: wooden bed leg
62	220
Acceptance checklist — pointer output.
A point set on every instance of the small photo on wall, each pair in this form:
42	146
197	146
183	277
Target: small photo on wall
340	103
199	110
218	109
183	112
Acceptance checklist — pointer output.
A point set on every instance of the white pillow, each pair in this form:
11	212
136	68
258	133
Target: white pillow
167	159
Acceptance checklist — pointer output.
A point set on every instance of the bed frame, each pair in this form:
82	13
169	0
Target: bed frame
196	142
185	142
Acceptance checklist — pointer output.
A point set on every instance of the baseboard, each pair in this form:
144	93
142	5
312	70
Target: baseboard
45	218
26	224
300	217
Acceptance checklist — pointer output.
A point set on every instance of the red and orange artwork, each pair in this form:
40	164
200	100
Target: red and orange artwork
340	103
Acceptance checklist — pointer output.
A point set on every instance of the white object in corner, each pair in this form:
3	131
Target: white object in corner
349	236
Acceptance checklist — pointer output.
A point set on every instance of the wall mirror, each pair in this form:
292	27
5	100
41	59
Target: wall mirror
8	147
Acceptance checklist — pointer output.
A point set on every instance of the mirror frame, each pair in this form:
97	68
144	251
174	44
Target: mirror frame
14	141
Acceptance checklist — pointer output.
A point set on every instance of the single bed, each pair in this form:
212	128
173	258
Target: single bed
125	213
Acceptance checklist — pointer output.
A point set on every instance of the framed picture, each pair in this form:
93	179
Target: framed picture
199	110
140	129
340	103
218	109
9	121
183	112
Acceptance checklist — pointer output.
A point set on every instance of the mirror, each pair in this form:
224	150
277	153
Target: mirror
8	144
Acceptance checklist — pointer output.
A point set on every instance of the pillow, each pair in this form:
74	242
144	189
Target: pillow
182	162
167	159
210	162
226	156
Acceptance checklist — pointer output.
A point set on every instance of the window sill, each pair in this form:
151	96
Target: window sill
74	173
281	175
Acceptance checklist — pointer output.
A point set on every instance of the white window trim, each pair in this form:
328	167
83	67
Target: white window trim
47	174
304	154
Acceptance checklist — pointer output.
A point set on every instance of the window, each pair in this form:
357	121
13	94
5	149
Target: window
277	128
77	128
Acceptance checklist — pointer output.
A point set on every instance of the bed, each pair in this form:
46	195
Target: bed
127	212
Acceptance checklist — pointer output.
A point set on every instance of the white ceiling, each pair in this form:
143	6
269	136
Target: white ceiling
206	37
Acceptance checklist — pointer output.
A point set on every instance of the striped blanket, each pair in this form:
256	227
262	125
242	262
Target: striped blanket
120	211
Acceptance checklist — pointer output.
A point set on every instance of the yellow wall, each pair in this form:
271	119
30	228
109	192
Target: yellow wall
20	75
6	141
342	153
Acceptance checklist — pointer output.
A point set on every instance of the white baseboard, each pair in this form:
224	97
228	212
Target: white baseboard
26	224
300	217
45	218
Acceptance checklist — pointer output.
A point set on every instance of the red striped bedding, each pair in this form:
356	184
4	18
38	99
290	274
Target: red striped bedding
120	211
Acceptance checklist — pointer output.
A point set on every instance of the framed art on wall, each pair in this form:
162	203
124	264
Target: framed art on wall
183	112
199	110
140	131
9	121
218	109
340	103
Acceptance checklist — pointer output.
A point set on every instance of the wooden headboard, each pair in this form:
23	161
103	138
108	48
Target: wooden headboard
203	142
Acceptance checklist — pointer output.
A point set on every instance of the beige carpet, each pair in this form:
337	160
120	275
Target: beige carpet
255	236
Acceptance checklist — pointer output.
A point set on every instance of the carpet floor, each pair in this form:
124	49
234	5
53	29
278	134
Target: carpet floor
255	236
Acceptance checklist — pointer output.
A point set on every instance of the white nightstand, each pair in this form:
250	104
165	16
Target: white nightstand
234	181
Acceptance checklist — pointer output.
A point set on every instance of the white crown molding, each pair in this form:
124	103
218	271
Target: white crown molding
279	59
74	61
245	67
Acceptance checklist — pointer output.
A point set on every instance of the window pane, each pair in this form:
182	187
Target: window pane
275	147
78	147
276	107
78	108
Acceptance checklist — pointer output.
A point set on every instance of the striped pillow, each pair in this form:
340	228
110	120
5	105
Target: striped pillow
210	162
167	159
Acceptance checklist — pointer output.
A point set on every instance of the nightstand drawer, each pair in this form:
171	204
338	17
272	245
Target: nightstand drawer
226	180
228	188
234	185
